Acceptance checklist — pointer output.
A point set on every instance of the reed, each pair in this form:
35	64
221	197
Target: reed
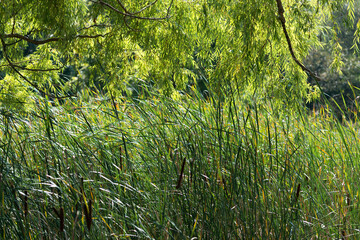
159	168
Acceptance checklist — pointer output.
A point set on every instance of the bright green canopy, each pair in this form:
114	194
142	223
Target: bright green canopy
250	44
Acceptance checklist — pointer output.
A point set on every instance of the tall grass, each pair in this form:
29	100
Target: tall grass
157	168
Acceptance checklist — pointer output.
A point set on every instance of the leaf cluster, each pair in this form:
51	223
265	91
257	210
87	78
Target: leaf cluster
244	45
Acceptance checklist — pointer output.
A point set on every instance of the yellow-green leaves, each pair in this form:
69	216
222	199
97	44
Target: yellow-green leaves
13	95
110	43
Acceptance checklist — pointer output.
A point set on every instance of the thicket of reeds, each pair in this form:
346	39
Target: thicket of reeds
158	168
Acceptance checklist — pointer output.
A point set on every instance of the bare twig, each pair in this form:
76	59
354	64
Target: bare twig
36	42
17	65
13	43
128	26
122	6
168	10
146	7
94	26
32	69
91	36
133	15
13	26
38	69
283	24
48	40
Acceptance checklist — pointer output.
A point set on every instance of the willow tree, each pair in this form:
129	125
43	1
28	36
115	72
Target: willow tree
247	44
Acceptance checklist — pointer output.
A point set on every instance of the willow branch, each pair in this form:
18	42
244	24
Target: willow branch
123	6
146	7
91	36
128	26
33	41
32	69
95	26
133	15
283	24
48	40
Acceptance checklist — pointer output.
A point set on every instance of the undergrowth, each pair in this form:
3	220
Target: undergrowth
157	168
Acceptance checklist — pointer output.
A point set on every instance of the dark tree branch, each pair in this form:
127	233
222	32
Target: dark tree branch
123	7
283	24
13	43
91	36
48	40
17	65
146	7
36	42
32	69
13	26
128	26
95	26
126	13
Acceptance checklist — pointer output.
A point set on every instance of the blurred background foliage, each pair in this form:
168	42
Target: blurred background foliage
341	87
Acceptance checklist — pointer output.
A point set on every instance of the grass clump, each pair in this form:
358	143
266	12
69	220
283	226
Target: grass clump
156	168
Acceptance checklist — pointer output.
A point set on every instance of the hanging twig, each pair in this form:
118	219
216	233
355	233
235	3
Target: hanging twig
33	41
146	7
134	15
44	41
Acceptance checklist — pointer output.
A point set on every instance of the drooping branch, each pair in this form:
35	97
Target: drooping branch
146	7
91	36
32	69
95	26
123	6
126	13
48	40
33	41
283	24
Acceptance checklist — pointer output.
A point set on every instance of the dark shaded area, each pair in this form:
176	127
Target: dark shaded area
341	90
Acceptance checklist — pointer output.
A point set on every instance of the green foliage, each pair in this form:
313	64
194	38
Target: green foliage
238	44
14	97
237	164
